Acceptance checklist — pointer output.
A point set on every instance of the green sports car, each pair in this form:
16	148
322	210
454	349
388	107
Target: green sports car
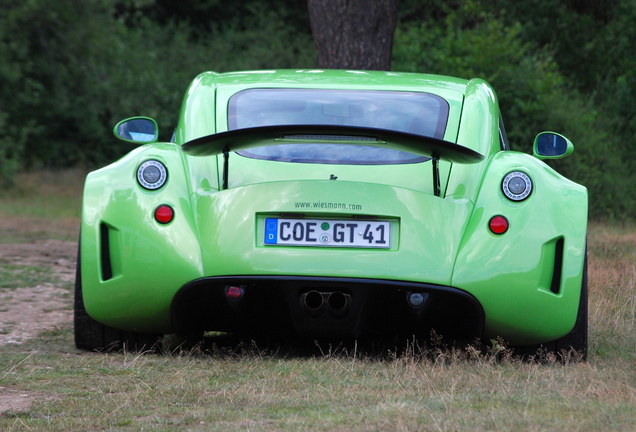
333	204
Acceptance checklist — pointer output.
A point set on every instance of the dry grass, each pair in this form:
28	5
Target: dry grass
256	390
42	205
612	280
254	387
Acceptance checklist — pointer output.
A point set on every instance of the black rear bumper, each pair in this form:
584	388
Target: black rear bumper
324	307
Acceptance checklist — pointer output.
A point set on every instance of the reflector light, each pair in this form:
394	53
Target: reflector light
234	292
164	214
498	224
416	299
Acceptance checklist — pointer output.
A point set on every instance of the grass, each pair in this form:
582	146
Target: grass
15	276
230	385
42	205
612	278
257	390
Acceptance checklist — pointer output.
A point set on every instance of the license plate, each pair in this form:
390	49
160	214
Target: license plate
328	233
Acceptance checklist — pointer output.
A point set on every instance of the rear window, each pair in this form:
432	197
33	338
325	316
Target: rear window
412	112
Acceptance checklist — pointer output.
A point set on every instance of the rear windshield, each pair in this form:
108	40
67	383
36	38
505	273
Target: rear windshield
412	112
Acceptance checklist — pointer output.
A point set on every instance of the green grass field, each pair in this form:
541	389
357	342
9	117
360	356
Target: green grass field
48	385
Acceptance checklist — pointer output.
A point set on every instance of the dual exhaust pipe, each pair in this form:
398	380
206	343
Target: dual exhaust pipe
335	304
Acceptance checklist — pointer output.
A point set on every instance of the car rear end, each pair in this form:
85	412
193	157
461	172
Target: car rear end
321	234
327	257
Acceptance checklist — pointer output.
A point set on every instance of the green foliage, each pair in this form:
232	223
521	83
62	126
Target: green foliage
534	93
71	69
81	67
10	152
592	42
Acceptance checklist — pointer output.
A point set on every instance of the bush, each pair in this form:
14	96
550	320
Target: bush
471	42
83	68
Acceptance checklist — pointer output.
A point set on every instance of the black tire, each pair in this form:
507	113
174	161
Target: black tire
91	335
572	346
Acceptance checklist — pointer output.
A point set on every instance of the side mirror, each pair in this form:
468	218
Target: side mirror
138	130
551	145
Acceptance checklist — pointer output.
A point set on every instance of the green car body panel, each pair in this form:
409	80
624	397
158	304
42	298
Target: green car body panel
527	281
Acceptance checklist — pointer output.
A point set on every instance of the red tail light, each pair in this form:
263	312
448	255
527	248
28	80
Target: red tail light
164	214
498	224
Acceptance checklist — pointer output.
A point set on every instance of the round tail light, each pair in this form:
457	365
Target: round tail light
498	224
152	174
234	293
516	186
164	214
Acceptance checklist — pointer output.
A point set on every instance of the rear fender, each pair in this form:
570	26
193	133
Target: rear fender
513	274
131	264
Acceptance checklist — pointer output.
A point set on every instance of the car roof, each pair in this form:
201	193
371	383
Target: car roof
331	78
203	118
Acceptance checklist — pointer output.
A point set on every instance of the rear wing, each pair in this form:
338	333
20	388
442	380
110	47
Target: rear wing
240	139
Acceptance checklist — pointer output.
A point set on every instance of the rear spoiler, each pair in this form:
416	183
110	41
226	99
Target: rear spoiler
240	139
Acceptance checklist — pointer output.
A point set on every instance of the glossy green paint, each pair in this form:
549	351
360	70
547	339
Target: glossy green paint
438	240
511	274
150	261
239	249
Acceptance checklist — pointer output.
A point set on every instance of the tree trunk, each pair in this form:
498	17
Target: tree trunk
353	34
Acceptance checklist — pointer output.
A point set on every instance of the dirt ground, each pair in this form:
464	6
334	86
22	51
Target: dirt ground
27	311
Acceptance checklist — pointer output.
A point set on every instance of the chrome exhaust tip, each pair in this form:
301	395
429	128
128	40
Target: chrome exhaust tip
312	303
338	304
316	304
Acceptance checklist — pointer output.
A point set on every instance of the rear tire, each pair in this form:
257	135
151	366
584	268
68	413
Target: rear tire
91	335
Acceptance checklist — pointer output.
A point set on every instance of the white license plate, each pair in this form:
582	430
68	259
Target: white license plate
328	233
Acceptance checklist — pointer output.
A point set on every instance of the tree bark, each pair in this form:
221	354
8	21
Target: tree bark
353	34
